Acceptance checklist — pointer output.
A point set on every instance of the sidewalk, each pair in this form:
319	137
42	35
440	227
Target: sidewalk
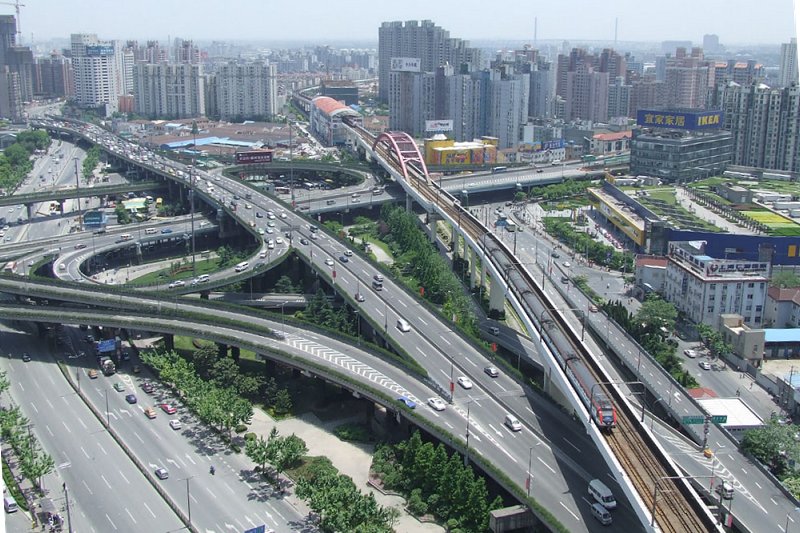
22	521
349	458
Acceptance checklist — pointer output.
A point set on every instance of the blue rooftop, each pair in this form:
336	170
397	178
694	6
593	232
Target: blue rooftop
205	141
703	258
782	335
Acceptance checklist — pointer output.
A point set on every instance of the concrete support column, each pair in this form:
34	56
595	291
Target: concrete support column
496	296
473	268
29	210
61	206
204	295
430	227
222	350
269	368
169	341
409	202
453	238
235	353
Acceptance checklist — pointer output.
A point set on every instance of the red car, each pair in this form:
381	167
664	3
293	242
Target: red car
169	409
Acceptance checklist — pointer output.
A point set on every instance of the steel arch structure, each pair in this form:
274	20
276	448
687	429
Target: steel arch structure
406	151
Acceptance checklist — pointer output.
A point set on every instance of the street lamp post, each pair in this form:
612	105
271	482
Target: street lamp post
528	484
466	448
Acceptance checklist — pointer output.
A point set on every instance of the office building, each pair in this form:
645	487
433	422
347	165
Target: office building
789	60
423	40
244	91
98	73
342	90
467	104
678	145
165	90
764	124
711	44
542	90
704	287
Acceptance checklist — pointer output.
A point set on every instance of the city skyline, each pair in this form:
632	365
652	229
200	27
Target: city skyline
734	21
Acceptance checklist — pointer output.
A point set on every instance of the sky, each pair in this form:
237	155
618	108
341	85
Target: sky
321	21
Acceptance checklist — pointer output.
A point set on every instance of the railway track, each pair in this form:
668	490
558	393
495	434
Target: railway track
675	510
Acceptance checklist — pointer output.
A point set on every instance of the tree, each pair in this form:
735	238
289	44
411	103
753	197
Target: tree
283	402
656	313
256	450
774	445
204	359
225	372
284	285
784	279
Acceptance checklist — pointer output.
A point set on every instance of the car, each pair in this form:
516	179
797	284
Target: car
130	398
89	338
80	246
26	357
92	374
148	387
437	404
162	473
705	365
269	231
282	215
593	308
313	236
343	258
271	224
248	206
355	195
491	371
119	387
137	369
166	231
260	231
304	241
566	264
329	261
691	354
259	215
175	424
555	255
408	402
465	382
168	408
539	170
359	297
278	240
348	253
378	278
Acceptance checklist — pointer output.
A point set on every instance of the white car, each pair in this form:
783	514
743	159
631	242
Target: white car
278	240
691	354
348	253
566	264
175	424
437	404
705	365
465	382
329	262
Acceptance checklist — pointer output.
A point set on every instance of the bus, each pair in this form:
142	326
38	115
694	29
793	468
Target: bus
282	190
495	170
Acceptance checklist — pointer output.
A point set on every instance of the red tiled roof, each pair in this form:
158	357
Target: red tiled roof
701	392
783	295
651	261
613	136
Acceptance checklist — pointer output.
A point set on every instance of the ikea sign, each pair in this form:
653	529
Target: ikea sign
680	120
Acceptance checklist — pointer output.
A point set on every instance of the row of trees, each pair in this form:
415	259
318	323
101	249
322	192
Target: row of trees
560	191
218	406
340	505
15	429
90	163
713	340
15	161
280	452
420	259
776	446
597	252
320	311
436	483
648	326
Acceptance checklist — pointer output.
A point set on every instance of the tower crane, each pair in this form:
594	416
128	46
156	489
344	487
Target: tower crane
16	5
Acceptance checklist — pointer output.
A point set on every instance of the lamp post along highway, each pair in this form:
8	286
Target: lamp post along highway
191	189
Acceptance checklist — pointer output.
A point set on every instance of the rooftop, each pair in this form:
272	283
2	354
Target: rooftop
618	136
739	414
651	261
784	294
782	335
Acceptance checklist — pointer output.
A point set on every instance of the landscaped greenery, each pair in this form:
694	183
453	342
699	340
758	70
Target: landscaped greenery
89	164
354	432
280	452
776	446
436	483
776	224
599	253
648	326
15	160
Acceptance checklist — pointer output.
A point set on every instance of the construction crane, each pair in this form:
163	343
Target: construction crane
16	5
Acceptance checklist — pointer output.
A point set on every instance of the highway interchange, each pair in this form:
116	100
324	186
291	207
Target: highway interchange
434	343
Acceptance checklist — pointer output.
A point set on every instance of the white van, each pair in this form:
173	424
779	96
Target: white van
202	278
125	237
270	244
602	494
725	490
601	514
402	325
10	505
241	266
150	231
512	423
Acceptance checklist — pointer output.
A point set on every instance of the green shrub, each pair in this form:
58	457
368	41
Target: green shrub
250	436
353	432
241	428
416	505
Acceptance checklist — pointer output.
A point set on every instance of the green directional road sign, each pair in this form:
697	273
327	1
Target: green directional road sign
693	419
719	419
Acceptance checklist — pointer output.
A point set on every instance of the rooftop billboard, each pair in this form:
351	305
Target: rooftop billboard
254	156
679	120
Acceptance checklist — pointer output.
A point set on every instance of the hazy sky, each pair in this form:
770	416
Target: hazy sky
316	21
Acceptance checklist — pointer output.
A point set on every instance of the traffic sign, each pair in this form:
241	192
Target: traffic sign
719	419
693	419
259	529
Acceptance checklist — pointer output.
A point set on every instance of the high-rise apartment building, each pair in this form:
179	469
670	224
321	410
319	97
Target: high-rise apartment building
412	101
764	124
687	80
52	77
508	106
789	59
741	72
185	52
467	104
169	90
16	71
587	94
98	72
244	90
619	98
542	91
431	44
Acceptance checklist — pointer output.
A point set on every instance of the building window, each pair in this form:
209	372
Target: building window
751	285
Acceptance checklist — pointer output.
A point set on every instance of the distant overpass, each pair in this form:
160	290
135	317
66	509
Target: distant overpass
69	193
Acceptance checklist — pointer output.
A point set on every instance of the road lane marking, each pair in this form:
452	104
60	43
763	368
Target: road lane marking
547	465
212	494
34	408
111	521
50	404
149	510
570	512
445	340
66	427
501	387
129	514
87	487
49	430
123	477
104	479
138	437
420	351
83	424
576	448
86	453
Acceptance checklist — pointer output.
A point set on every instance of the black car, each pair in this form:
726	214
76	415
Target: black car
304	241
26	357
555	254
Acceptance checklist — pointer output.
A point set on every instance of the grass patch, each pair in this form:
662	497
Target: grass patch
309	467
380	244
203	266
777	224
13	488
354	432
665	195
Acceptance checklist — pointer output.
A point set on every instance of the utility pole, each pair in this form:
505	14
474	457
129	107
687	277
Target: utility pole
69	517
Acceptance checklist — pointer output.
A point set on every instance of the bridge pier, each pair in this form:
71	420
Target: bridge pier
139	258
61	206
29	210
430	227
235	353
473	268
204	295
409	203
496	298
169	341
222	350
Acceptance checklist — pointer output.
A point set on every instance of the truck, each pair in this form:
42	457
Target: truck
107	366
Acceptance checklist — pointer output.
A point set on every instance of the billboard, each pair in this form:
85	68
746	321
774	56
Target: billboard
254	156
438	125
99	50
106	346
95	219
542	146
405	64
681	120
